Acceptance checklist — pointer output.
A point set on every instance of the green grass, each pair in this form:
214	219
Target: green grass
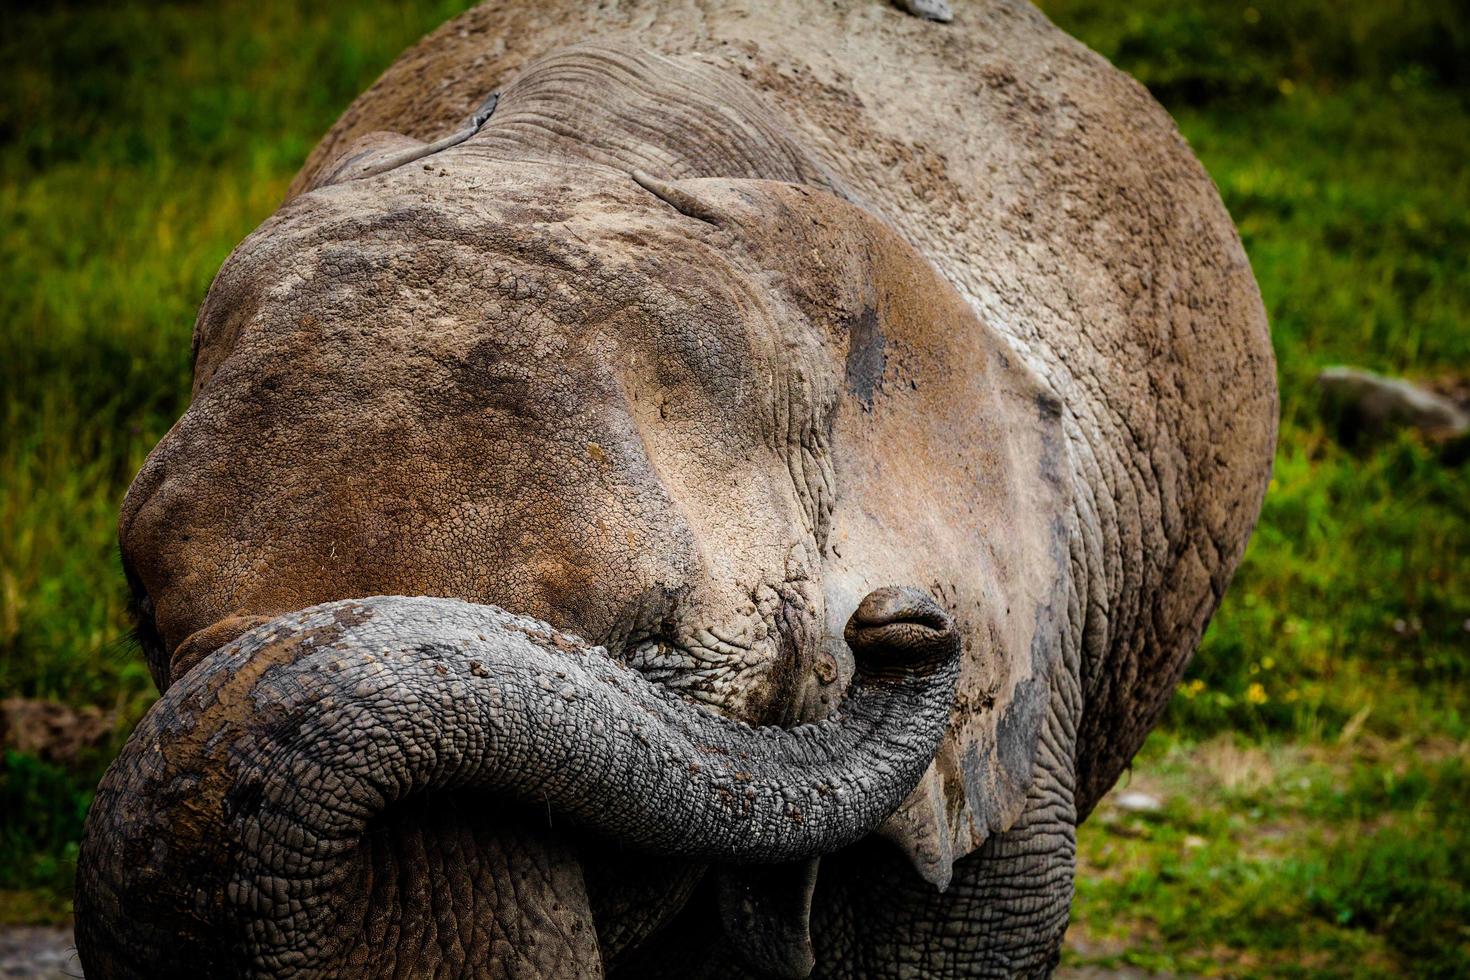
138	143
1282	859
1314	764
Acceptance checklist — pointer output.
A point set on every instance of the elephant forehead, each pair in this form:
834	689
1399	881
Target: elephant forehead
557	278
533	405
524	317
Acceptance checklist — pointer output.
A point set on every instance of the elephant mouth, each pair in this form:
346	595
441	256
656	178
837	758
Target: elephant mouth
230	833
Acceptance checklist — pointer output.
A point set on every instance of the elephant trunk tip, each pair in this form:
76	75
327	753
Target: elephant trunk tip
901	627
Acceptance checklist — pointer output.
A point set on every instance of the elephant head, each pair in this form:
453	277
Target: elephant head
514	474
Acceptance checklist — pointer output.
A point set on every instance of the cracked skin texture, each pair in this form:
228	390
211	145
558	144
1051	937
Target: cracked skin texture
1059	200
711	330
380	709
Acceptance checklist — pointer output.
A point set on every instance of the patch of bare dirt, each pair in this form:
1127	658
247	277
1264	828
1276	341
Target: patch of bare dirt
52	731
1079	944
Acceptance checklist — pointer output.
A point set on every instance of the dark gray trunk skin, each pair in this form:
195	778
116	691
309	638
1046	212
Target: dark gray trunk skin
873	917
1006	909
228	838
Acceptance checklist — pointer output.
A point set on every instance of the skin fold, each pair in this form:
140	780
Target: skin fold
732	511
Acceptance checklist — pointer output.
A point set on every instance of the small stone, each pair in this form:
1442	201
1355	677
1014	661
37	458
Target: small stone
1368	405
937	10
38	952
1135	802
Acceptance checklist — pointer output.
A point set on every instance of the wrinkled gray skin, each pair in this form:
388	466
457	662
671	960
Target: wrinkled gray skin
732	512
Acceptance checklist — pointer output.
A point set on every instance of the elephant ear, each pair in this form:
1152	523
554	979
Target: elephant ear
950	474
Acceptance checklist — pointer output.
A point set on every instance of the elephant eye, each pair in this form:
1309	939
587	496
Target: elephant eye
145	627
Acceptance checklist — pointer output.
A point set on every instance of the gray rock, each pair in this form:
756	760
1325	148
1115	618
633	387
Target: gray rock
928	9
1372	405
1135	802
38	953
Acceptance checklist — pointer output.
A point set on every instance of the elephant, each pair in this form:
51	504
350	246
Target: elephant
728	504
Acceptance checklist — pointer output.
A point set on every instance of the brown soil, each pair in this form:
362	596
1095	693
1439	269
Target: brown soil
52	731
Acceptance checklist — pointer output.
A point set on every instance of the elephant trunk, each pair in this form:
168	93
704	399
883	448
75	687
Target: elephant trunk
229	836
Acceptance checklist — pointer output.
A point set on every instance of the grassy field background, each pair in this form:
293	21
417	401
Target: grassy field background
1314	767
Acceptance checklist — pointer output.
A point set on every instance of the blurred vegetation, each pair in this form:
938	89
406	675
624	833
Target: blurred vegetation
1314	765
139	142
